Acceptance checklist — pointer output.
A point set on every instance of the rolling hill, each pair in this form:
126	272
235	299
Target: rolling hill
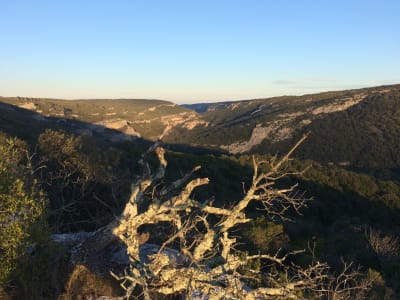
132	118
357	128
353	128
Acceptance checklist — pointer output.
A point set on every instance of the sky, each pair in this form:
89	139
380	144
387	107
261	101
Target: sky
196	50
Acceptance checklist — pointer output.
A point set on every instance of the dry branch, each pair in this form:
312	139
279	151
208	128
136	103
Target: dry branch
205	261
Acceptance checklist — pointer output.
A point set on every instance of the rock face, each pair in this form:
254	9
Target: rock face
257	136
340	104
28	105
283	126
128	132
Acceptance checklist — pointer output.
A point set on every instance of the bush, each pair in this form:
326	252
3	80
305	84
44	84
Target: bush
79	173
22	205
266	235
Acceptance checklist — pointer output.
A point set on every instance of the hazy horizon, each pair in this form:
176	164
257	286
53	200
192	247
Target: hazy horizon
192	52
200	101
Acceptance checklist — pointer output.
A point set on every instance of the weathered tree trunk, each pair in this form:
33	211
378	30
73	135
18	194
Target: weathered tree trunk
205	262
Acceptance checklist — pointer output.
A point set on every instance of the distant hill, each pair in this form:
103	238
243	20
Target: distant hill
204	107
357	129
365	135
132	118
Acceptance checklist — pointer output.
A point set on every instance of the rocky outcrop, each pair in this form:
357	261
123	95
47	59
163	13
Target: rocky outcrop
28	105
121	125
258	134
339	105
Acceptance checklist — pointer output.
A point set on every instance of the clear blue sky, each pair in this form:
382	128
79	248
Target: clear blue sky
196	50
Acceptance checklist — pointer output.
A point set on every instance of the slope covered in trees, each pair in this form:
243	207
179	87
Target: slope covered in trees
73	182
365	136
354	128
358	128
349	209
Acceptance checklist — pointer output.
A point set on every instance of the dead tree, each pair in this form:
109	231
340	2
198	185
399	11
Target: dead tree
385	246
198	258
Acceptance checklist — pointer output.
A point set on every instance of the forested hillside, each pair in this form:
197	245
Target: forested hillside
347	127
69	173
364	136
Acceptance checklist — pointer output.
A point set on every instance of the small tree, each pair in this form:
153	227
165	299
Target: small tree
386	247
21	206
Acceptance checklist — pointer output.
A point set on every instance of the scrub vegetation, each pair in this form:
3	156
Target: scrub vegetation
56	178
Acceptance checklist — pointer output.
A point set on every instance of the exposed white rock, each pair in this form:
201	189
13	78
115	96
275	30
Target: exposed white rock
71	238
339	105
192	124
153	108
234	106
305	122
277	130
283	127
28	105
283	133
258	134
141	121
121	125
187	120
290	116
113	124
258	109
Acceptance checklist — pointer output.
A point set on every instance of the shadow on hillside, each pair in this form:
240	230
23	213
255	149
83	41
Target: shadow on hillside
337	221
226	176
28	125
80	204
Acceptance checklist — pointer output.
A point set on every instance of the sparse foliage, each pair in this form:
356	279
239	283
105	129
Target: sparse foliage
77	174
386	246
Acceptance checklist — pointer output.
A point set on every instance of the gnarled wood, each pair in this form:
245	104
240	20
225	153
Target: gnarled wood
205	261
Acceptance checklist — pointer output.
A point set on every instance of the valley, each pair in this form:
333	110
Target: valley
84	155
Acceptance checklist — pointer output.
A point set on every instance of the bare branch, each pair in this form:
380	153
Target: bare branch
206	261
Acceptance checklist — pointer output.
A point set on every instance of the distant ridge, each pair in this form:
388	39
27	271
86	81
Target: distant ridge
355	128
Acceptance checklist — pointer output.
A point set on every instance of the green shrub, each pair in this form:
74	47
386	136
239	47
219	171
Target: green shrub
266	235
22	207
